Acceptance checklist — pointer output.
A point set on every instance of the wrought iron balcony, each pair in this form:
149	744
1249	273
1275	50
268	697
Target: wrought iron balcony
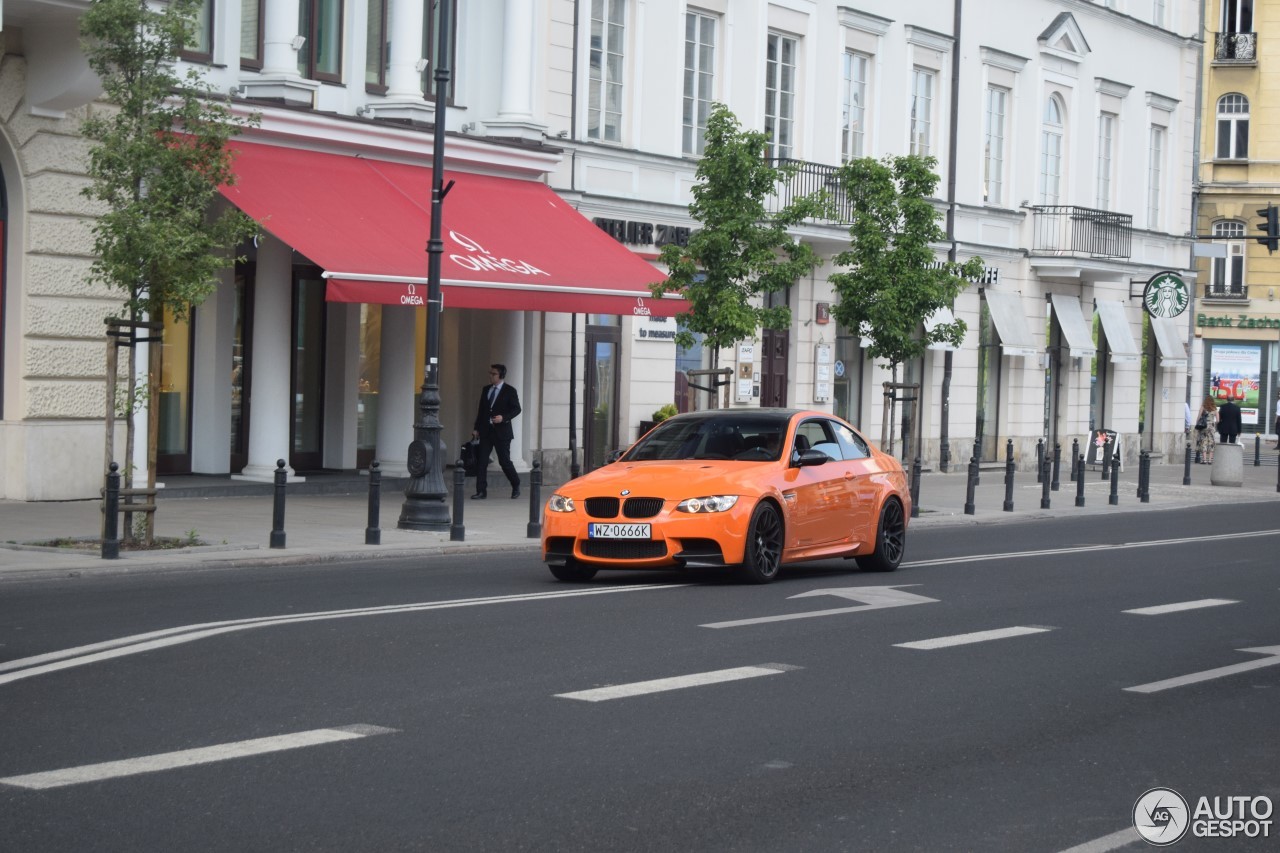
1081	232
1226	294
1239	48
808	179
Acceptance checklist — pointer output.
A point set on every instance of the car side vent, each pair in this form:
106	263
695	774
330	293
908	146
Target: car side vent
602	507
642	507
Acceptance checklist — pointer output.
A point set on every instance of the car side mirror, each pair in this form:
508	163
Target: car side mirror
614	456
806	458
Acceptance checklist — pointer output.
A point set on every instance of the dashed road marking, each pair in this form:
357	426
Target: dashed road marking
679	682
189	757
1161	609
975	637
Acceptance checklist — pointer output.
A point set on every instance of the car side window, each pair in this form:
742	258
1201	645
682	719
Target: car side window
817	435
851	443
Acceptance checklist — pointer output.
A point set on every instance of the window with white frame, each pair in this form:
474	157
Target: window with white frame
1155	175
1158	12
853	105
1051	133
699	79
1233	127
604	83
993	145
1226	275
1106	159
922	82
780	94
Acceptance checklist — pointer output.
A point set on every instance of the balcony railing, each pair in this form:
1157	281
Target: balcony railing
1225	294
1235	47
1081	231
807	179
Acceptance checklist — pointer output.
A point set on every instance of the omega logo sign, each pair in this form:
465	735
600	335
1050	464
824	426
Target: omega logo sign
412	297
480	259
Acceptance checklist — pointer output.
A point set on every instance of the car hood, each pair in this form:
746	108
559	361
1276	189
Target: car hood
674	480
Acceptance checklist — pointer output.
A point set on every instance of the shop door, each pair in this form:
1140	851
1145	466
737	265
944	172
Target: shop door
241	367
600	433
307	440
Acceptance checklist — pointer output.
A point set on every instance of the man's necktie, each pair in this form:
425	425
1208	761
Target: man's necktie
493	394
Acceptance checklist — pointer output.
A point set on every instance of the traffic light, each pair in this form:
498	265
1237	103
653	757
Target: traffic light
1270	227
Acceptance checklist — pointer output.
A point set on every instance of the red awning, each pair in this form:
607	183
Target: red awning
508	244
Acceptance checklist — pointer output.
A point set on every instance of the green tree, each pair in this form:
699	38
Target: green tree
891	279
741	251
158	157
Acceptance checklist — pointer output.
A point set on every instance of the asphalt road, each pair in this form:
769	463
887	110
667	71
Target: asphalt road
981	698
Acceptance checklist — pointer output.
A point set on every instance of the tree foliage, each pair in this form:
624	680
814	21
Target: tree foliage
158	158
741	251
890	279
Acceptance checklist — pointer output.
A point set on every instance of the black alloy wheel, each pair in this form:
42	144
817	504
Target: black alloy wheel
763	556
891	540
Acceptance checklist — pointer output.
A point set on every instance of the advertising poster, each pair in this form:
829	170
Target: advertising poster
1234	374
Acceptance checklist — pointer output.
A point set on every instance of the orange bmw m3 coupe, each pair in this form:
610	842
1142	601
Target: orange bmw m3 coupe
752	488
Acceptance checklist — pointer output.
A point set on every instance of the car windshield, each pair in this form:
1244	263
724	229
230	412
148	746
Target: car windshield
742	438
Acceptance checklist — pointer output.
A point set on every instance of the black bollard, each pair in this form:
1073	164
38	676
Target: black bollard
977	454
1114	498
969	508
1107	452
534	529
277	508
1008	476
1039	459
915	488
1186	467
1257	450
372	534
1278	469
1057	463
458	530
111	515
1079	481
1044	483
1075	454
1144	477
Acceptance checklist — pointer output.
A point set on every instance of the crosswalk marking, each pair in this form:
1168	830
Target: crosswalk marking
1161	609
657	685
975	637
189	757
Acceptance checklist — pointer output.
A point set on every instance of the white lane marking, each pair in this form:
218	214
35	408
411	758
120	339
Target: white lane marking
109	649
658	685
975	637
1161	609
189	757
1273	658
1084	549
874	598
1106	843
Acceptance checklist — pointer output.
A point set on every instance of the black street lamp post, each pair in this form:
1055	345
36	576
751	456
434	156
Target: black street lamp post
424	506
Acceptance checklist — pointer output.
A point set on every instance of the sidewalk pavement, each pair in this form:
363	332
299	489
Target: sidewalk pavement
326	522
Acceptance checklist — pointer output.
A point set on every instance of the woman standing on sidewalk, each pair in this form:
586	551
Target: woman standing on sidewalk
1206	430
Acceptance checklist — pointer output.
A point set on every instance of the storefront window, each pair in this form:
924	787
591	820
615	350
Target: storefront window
848	377
174	391
369	383
686	396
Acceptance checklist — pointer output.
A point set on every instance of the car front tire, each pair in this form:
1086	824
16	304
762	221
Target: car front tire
763	557
891	540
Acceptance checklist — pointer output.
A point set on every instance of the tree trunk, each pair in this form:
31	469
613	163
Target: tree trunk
154	354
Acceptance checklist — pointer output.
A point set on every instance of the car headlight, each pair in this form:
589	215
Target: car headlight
560	503
711	503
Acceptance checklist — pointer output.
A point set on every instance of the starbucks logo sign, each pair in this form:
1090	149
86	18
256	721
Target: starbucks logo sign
1166	295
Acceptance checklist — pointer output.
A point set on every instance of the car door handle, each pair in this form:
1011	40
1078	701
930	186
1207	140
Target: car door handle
848	475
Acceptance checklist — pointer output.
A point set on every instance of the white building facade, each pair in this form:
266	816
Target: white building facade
1068	173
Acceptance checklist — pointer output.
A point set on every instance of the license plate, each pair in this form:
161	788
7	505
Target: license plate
602	530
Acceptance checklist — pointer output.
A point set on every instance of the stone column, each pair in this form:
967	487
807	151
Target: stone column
404	80
270	406
279	26
515	117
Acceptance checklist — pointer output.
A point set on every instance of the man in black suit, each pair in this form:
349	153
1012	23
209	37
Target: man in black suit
1229	422
499	405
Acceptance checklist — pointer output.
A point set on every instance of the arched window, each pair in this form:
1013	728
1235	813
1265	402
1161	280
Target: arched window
1233	127
1226	278
1051	133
